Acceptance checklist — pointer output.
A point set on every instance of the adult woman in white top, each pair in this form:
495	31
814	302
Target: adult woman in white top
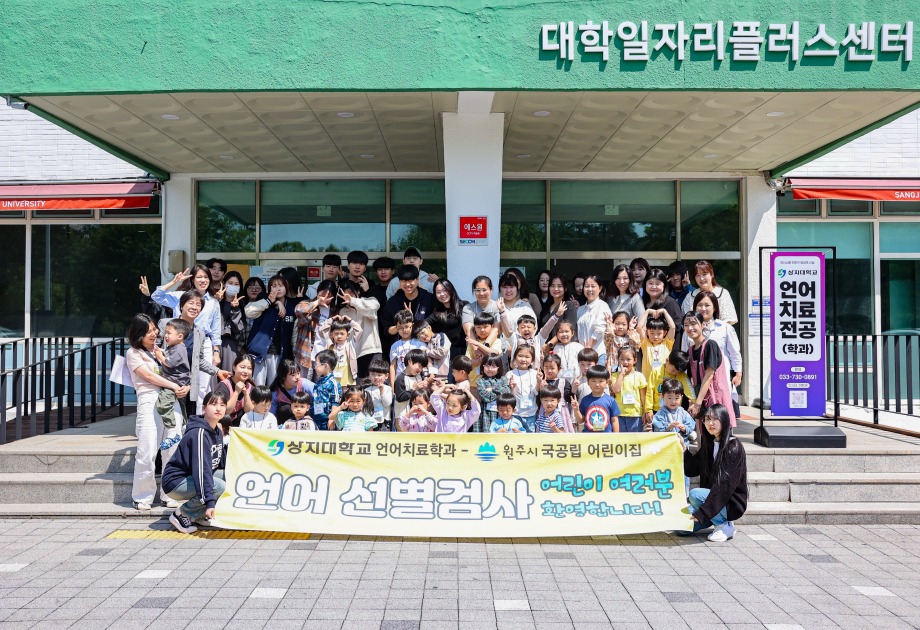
145	375
623	294
209	317
511	301
706	280
723	334
592	317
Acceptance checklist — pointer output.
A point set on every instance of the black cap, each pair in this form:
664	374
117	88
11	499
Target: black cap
677	267
412	251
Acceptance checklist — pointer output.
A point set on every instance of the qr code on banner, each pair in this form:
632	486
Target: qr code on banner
798	400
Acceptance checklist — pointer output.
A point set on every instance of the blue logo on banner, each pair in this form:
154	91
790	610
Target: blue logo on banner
486	452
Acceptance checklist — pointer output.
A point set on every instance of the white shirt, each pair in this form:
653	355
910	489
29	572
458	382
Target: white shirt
726	306
253	420
569	356
525	393
592	323
519	308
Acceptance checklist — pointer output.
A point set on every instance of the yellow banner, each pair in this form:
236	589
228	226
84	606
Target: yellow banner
454	485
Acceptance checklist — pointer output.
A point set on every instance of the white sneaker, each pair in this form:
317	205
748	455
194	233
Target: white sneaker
141	506
172	503
722	533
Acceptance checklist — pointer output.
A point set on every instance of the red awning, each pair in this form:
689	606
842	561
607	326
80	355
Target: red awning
857	189
76	196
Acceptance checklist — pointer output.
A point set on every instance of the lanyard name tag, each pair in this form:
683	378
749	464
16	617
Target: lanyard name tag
492	406
568	374
319	408
526	403
378	404
629	399
656	365
158	370
338	373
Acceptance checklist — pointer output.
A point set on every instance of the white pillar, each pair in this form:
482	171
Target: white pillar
178	205
473	186
759	231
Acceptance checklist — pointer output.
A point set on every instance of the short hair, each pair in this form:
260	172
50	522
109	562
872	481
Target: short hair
506	400
550	391
509	280
693	315
702	295
215	394
704	266
279	278
483	319
419	325
527	318
553	358
403	317
407	272
357	257
384	262
672	386
419	393
620	314
479	279
417	356
181	326
680	360
525	348
598	371
338	324
138	329
587	354
327	357
379	366
566	322
656	323
260	394
188	296
302	398
628	349
462	363
332	259
217	261
496	360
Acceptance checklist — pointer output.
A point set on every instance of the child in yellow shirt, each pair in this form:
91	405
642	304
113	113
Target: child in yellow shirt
675	366
656	329
628	387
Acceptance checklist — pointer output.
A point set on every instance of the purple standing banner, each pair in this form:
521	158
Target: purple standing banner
798	379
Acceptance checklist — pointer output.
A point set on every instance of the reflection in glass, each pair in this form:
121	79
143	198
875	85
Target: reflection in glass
848	207
900	207
613	216
418	215
709	218
226	216
85	277
524	216
786	205
13	287
323	216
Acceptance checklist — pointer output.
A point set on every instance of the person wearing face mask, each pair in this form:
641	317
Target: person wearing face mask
235	329
706	280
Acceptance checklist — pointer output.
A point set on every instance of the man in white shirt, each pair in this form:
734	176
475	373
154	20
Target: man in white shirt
425	280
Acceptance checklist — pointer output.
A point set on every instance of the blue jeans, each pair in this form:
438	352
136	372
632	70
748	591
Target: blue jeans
193	508
697	498
630	424
602	359
529	423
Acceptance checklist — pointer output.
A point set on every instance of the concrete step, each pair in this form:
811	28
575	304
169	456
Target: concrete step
65	488
763	513
832	461
88	463
81	510
810	487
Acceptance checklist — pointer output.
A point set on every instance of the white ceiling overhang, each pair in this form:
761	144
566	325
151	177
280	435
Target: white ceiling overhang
251	132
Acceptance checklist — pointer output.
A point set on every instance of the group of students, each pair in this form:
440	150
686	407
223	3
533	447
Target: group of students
639	355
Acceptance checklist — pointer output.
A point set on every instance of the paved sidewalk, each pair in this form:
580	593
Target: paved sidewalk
69	574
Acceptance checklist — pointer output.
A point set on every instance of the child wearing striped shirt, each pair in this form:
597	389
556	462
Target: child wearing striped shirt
549	420
356	413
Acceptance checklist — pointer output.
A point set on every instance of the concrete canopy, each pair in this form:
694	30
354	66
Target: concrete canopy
263	81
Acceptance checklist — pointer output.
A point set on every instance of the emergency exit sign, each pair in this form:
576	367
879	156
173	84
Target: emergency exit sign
474	230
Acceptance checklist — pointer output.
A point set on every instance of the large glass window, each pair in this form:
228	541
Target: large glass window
786	206
709	216
853	267
899	237
524	216
13	288
900	207
901	296
613	216
418	215
323	216
85	277
849	207
226	217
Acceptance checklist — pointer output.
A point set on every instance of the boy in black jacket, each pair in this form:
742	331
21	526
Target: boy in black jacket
192	474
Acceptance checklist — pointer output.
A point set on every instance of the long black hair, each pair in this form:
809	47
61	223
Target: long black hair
710	475
453	310
138	329
614	290
660	276
523	285
558	275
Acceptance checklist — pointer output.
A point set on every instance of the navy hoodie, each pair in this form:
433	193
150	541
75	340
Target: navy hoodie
200	453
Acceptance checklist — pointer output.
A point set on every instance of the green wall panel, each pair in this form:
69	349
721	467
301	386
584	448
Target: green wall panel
105	46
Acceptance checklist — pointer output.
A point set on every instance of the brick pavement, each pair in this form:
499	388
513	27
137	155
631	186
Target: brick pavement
67	574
